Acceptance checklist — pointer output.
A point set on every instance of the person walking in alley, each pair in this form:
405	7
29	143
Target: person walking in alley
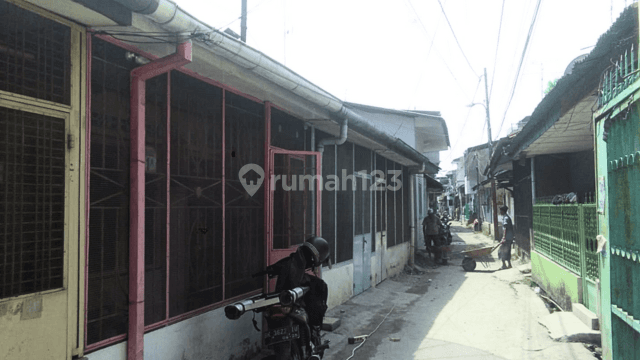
507	238
431	228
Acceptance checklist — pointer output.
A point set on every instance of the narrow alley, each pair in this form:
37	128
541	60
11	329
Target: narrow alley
447	313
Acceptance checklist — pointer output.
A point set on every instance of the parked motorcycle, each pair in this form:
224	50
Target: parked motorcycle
294	312
440	247
445	230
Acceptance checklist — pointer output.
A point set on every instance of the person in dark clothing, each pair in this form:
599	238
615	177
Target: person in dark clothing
507	238
431	225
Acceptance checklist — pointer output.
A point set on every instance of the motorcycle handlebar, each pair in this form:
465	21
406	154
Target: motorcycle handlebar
286	298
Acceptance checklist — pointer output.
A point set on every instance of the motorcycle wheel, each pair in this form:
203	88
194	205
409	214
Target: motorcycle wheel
288	351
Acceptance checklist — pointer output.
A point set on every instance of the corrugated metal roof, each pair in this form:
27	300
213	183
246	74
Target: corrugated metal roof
581	82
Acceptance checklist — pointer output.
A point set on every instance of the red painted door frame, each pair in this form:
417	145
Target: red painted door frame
139	76
273	255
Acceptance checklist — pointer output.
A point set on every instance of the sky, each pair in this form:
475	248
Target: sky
425	54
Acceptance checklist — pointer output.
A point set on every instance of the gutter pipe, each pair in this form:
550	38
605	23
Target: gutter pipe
344	129
172	18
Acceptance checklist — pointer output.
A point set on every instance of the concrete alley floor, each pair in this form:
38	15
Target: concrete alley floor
447	313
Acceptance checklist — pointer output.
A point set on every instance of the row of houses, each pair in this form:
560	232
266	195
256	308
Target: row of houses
570	175
128	215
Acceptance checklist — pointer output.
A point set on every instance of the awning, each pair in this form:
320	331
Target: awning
433	184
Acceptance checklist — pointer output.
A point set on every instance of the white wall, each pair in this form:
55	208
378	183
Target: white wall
339	280
395	258
209	336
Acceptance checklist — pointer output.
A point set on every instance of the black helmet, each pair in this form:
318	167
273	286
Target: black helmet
316	250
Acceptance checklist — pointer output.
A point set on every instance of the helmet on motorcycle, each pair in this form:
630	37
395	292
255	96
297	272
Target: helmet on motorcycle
315	250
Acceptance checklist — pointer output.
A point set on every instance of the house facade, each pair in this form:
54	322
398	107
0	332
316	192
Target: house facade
575	193
151	164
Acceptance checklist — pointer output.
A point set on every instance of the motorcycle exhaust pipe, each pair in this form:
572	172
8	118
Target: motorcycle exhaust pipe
289	297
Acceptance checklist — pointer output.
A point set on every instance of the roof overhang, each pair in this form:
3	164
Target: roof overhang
231	62
561	122
433	185
429	133
572	132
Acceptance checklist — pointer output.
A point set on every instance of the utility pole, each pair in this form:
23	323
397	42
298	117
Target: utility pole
493	179
243	22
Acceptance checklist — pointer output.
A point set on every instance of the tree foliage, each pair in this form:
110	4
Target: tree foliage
550	85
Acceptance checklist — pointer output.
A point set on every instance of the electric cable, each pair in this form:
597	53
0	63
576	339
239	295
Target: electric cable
456	38
495	58
524	52
432	40
465	120
374	330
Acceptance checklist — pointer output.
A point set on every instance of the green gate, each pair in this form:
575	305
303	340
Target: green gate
623	155
618	173
567	234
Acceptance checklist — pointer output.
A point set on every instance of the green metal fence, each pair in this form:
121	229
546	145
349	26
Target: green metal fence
562	232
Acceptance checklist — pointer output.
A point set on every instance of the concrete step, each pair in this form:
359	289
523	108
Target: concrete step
566	327
586	316
330	323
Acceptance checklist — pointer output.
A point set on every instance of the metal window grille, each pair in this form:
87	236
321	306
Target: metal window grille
392	212
362	163
398	207
406	204
32	154
244	214
196	248
155	211
329	200
381	192
293	220
345	203
287	132
108	277
34	55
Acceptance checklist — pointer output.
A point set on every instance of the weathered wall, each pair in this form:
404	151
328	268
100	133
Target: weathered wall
339	280
210	336
395	258
563	286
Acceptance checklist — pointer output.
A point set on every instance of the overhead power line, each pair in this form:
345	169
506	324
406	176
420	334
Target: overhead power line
434	36
465	120
495	58
455	37
524	51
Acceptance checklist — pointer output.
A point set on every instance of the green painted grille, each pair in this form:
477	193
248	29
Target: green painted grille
559	232
590	222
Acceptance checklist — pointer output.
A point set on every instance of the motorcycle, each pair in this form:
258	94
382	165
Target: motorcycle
445	230
294	312
440	247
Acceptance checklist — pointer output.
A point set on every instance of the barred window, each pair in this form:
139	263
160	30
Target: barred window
32	172
34	55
